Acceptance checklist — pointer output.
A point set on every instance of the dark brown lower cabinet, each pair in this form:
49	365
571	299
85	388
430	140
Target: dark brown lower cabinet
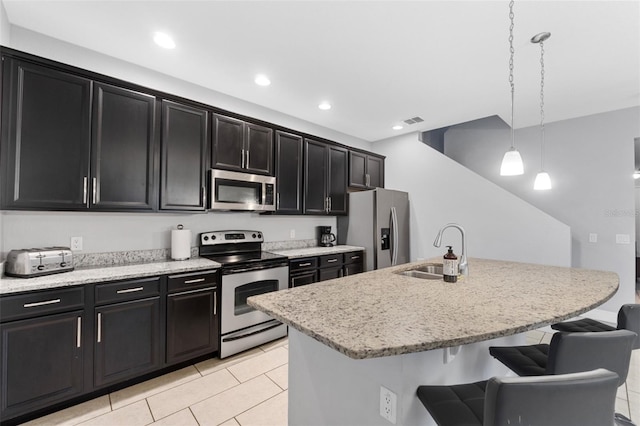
127	340
42	362
192	326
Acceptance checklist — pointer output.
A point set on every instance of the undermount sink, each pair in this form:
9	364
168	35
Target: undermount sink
430	271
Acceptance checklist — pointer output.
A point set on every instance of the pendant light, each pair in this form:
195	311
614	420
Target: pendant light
543	181
512	161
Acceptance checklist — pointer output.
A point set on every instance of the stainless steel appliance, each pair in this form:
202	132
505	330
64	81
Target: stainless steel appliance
246	271
242	191
325	237
378	221
34	262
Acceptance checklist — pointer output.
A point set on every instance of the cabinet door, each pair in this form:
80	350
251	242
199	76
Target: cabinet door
185	132
46	134
337	180
303	278
352	269
288	173
258	149
357	169
375	172
329	273
228	143
127	340
315	178
123	149
41	362
192	326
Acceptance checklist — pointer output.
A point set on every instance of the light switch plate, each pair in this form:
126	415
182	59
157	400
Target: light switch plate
593	238
623	239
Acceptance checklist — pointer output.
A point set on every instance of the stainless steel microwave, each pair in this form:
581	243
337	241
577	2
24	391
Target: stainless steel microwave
242	191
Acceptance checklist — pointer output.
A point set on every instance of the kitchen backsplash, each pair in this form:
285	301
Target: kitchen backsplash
88	260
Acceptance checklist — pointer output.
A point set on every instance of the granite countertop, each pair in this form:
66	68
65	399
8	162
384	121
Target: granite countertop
380	313
315	251
81	276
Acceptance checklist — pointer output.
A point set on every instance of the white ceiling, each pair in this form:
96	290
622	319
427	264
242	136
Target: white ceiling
377	62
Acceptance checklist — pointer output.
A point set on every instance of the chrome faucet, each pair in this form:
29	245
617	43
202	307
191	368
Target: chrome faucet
463	266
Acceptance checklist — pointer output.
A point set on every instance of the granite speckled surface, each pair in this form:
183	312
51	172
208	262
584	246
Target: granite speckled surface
381	313
315	251
81	276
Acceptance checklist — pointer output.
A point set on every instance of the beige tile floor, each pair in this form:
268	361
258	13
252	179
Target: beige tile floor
247	389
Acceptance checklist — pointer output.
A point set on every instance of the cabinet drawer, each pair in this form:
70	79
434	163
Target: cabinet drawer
127	290
41	303
331	260
354	257
303	278
304	263
192	281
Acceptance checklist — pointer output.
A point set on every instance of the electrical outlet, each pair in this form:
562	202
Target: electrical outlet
593	238
292	233
388	404
76	244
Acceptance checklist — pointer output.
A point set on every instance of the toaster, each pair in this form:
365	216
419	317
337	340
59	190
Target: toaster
34	262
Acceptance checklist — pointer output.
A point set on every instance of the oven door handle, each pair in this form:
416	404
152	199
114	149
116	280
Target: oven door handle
229	271
269	325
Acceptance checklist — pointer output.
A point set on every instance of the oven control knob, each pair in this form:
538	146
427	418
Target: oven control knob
253	235
213	237
259	235
205	238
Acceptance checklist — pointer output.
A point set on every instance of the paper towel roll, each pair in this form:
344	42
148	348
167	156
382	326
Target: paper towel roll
180	244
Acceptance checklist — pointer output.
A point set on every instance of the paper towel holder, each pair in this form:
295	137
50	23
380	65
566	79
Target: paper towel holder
180	243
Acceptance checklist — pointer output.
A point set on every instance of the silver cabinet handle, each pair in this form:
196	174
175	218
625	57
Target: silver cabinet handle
355	257
305	264
332	260
130	290
277	201
95	189
196	280
367	180
99	327
329	204
242	160
46	302
79	331
85	189
346	272
215	302
247	158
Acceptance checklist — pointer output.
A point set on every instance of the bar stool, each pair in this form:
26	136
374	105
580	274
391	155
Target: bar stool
628	319
570	353
575	399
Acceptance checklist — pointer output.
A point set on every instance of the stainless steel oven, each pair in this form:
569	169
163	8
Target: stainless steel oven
246	271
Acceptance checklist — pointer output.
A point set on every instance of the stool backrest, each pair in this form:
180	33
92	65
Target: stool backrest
629	319
575	352
577	399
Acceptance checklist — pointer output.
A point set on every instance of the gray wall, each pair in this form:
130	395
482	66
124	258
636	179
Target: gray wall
498	224
591	161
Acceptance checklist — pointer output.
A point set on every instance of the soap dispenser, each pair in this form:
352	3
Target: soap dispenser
450	266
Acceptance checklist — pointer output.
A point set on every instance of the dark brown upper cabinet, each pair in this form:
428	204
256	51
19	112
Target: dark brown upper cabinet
184	141
123	151
365	171
46	134
241	146
288	172
325	179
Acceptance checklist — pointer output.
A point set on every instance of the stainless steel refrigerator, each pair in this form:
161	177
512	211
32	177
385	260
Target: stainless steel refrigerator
378	220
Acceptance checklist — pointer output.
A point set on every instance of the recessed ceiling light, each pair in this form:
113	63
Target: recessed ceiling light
324	106
262	80
397	127
164	40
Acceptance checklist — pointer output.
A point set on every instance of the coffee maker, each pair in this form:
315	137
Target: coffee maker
325	237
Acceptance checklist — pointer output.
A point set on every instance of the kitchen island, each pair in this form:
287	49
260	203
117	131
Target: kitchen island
350	336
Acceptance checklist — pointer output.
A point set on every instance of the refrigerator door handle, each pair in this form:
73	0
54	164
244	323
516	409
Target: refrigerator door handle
394	235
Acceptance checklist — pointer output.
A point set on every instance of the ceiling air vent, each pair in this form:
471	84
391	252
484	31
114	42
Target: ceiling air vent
414	120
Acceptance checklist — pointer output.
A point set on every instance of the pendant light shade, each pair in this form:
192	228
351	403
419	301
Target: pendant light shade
543	181
511	163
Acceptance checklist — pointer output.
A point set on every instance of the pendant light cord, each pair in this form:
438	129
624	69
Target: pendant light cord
511	50
542	105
